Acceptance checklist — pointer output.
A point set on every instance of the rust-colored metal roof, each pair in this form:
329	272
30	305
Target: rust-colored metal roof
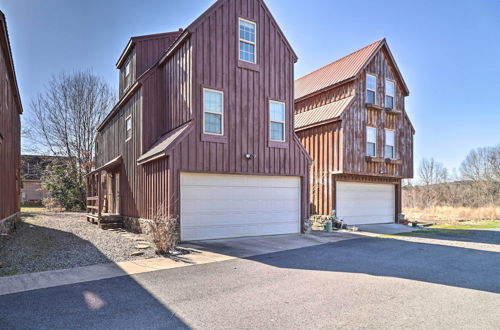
341	70
322	114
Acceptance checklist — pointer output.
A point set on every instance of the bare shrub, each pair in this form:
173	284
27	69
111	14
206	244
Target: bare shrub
164	232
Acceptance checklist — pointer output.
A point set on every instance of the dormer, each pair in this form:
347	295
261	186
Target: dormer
141	53
127	69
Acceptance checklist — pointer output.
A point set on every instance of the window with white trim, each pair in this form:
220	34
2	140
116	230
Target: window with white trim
371	141
371	88
277	121
127	73
389	144
389	94
213	112
128	128
247	31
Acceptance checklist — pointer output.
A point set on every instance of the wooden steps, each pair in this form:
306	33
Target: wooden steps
106	221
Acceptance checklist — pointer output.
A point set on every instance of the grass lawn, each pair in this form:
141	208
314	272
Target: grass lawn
471	225
33	209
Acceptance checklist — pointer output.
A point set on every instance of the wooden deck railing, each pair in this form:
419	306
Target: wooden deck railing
94	209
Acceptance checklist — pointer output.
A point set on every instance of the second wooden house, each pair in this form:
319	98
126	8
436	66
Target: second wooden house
204	132
350	115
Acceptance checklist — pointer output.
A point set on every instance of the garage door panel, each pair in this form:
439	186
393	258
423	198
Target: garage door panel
363	203
228	180
219	206
205	218
223	231
235	193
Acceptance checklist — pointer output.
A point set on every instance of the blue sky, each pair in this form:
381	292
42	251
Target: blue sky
448	51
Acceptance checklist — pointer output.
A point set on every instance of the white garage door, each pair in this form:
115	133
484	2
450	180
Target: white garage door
220	206
364	203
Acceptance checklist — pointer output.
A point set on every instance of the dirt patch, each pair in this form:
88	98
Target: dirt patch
49	241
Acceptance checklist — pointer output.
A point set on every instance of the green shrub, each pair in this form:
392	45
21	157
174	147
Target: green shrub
65	186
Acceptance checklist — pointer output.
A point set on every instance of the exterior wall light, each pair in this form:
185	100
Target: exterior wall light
250	156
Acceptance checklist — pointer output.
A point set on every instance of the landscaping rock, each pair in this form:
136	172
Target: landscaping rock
137	253
64	240
142	246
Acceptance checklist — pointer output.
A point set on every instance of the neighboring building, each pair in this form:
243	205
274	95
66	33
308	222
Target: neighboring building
350	115
203	130
33	169
10	134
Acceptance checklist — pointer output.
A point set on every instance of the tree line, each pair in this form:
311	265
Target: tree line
477	183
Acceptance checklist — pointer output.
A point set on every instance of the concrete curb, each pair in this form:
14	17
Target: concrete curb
202	252
42	280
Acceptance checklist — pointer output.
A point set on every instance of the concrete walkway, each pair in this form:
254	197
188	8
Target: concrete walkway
386	228
201	252
244	247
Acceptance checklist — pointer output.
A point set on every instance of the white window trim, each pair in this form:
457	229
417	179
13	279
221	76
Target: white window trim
215	113
277	121
391	145
373	90
127	78
126	129
393	96
254	43
366	142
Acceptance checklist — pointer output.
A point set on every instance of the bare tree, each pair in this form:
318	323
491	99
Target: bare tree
432	172
66	117
482	168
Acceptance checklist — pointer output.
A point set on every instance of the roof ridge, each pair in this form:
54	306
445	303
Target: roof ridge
339	59
159	34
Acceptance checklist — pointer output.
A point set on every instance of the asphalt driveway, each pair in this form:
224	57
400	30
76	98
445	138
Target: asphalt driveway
389	282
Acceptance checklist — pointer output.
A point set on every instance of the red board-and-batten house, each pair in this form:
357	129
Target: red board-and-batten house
203	130
10	135
350	116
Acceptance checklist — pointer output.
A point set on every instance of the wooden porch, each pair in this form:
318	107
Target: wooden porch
103	195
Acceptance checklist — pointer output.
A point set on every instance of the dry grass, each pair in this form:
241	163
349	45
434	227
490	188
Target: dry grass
449	214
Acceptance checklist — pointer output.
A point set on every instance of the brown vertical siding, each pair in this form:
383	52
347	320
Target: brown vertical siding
246	96
111	142
340	147
360	116
324	146
150	48
10	128
172	95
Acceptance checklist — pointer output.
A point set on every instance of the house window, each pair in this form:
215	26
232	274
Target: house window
371	88
127	74
247	41
213	112
389	144
128	128
389	94
371	141
277	121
